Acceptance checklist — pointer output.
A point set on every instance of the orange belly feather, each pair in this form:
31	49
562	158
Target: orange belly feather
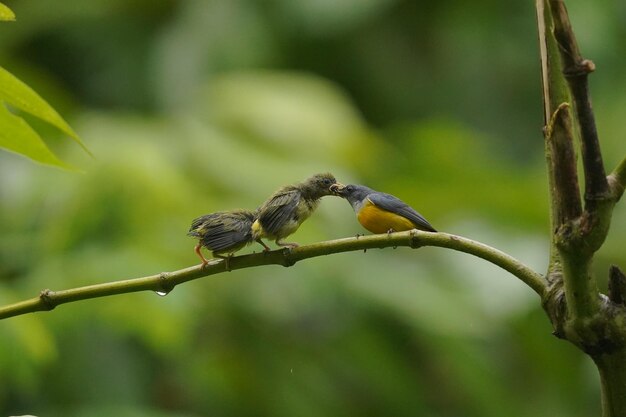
377	220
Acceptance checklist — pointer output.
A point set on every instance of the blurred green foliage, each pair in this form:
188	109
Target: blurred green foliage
199	106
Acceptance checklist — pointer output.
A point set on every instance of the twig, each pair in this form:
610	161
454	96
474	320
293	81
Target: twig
565	191
576	71
565	201
165	282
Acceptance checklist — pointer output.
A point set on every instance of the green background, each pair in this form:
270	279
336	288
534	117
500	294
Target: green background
197	106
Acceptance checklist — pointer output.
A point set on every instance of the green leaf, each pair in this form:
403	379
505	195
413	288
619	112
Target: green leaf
6	14
21	96
17	136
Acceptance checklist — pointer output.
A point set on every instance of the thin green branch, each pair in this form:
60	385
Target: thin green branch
166	281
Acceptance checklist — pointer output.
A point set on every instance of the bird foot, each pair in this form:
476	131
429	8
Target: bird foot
204	260
290	245
265	247
226	260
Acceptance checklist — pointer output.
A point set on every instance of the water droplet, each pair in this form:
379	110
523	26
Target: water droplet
165	286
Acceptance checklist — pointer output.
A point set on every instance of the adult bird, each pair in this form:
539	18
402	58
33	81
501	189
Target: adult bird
285	210
381	212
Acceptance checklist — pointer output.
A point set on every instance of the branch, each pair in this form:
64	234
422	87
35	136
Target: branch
165	282
569	253
565	204
564	184
576	234
576	71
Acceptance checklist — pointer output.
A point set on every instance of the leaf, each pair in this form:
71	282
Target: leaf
20	95
6	14
17	136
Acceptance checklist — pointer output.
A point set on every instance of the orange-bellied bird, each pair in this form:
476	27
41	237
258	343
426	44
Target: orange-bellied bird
381	212
224	232
287	208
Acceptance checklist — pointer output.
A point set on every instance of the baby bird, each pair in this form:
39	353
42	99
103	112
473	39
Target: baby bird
286	209
224	232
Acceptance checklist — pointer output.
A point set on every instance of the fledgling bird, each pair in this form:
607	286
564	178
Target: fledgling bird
224	232
381	212
290	206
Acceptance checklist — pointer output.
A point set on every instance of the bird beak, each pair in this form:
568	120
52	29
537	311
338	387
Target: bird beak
336	188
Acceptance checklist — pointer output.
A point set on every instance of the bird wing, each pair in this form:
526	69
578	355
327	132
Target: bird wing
221	238
278	211
197	225
395	205
220	235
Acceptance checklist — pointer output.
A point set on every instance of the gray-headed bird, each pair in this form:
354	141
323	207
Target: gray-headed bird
381	212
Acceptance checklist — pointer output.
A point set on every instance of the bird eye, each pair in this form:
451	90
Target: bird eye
327	181
349	188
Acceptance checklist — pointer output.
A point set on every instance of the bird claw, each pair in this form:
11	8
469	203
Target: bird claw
204	260
265	247
290	245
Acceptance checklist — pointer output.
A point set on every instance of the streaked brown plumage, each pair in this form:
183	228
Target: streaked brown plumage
286	209
224	232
